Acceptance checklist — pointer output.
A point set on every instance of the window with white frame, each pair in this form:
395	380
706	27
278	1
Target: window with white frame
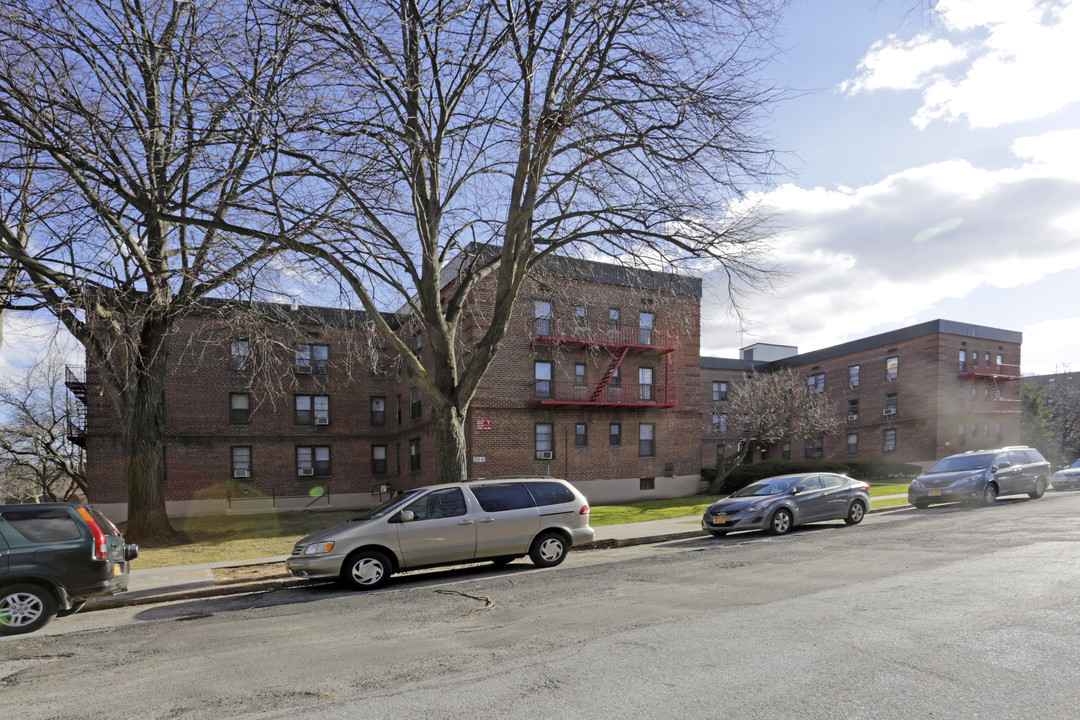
312	460
581	434
239	356
542	317
615	434
545	441
312	410
646	440
542	378
645	384
892	368
645	328
852	443
815	382
889	439
853	376
579	374
241	462
378	460
239	409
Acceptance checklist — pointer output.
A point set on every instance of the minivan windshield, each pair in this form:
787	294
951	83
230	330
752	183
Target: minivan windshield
388	507
772	486
959	463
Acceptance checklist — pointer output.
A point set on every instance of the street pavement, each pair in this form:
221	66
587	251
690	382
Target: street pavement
185	582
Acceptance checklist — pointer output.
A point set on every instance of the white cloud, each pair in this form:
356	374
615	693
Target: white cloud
1021	55
1050	346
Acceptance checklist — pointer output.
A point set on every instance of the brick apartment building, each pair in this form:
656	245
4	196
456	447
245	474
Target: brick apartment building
598	379
910	395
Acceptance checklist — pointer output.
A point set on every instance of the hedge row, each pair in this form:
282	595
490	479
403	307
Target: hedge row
743	475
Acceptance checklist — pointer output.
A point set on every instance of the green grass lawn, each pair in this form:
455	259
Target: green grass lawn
245	537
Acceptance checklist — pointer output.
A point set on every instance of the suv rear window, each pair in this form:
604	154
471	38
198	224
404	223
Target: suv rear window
46	525
1034	456
550	493
503	496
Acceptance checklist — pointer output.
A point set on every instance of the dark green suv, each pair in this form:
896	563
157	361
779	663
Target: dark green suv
53	557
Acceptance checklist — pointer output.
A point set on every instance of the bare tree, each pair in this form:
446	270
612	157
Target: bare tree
136	146
502	134
770	408
38	461
1063	403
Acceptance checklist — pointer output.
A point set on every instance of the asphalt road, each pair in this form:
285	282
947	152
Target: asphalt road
945	613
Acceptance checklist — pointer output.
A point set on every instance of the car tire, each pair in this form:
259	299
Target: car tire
855	514
920	505
25	608
548	549
75	607
718	533
500	561
366	570
989	495
780	523
1040	489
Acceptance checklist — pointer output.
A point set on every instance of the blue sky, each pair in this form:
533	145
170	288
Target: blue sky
934	172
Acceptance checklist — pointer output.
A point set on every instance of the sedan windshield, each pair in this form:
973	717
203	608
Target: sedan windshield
772	486
1075	464
387	507
958	463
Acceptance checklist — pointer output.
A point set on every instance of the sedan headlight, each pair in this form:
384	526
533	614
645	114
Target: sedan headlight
916	484
319	548
761	505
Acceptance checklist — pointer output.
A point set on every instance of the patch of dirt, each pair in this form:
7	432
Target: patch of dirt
250	573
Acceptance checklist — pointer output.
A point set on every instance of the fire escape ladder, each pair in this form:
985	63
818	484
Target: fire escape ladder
606	380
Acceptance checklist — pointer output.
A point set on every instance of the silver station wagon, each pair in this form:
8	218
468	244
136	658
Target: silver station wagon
493	519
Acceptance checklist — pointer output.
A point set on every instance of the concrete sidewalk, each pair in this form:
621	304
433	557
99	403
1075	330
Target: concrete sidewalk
185	582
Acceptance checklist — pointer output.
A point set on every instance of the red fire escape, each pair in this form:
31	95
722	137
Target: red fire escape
995	376
610	391
75	380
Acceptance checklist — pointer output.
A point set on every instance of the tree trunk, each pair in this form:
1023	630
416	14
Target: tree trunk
450	452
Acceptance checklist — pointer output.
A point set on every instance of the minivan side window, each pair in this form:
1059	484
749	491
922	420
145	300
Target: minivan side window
550	493
1018	457
439	504
1034	456
46	525
502	496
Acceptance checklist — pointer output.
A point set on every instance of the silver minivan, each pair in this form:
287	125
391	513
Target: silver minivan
496	519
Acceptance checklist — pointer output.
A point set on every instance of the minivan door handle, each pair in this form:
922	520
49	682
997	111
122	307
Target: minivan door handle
487	519
465	522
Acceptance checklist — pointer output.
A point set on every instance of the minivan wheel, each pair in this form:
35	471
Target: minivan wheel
781	522
990	493
855	513
548	549
1040	489
25	608
366	570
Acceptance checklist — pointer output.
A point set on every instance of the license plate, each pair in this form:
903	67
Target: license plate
117	570
935	493
719	521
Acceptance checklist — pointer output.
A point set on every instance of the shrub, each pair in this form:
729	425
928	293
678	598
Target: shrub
744	475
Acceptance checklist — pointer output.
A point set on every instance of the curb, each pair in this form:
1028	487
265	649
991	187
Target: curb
242	588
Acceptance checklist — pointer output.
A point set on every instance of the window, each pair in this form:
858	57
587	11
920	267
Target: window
581	435
378	364
852	443
545	441
445	503
312	461
239	409
645	328
398	412
816	382
312	359
542	317
44	525
579	374
615	434
378	460
719	454
648	483
852	409
889	443
239	356
974	431
646	440
613	318
501	497
722	424
853	376
415	403
891	367
813	447
579	315
998	435
890	403
241	462
785	451
616	379
542	376
378	411
961	436
414	455
645	384
999	362
312	410
417	343
719	391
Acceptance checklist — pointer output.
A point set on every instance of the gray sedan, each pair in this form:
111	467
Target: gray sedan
780	503
1067	478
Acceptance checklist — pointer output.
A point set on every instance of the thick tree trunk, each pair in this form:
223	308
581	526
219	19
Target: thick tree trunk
450	451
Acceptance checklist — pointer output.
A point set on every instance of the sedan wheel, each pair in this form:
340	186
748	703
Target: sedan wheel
548	549
366	570
718	533
855	513
25	608
781	522
1040	489
990	493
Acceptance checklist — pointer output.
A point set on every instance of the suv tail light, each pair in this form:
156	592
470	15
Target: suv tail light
584	510
101	543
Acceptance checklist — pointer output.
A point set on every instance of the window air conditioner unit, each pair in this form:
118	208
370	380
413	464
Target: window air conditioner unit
852	386
240	473
322	421
544	455
888	411
307	472
303	369
852	417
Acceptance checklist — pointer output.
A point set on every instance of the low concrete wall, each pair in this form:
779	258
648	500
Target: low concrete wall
118	512
625	490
